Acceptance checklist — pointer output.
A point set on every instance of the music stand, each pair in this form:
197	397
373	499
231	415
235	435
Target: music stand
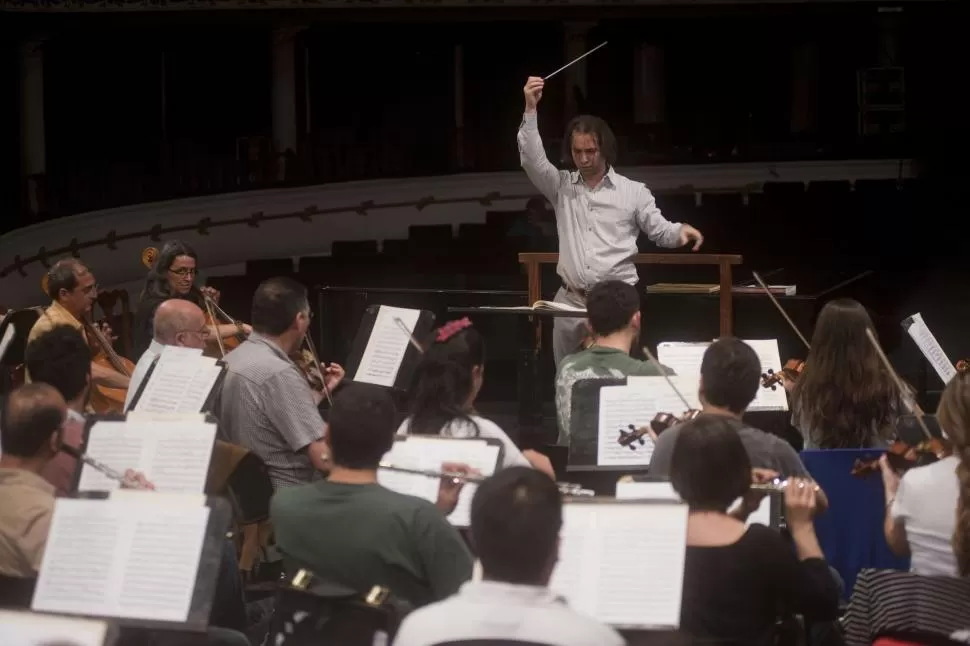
411	356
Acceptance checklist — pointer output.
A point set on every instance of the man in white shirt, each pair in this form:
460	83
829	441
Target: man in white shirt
516	518
177	322
599	213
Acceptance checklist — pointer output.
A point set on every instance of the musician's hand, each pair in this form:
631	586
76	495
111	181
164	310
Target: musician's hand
800	502
533	93
890	479
246	328
106	331
449	489
786	382
752	500
211	292
334	375
136	480
688	234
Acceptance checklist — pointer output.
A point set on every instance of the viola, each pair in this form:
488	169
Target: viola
660	423
791	371
105	399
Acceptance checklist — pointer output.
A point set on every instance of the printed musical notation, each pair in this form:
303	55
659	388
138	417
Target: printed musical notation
387	346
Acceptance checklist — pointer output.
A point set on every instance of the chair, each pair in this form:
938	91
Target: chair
850	532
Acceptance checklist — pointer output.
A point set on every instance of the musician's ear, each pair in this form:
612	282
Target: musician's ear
635	319
589	328
700	389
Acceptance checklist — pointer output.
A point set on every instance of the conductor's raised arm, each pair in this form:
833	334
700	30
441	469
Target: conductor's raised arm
543	175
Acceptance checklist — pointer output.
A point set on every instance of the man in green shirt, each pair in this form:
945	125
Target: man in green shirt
613	317
351	531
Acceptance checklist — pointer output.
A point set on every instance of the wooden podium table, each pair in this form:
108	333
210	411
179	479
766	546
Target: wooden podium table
533	262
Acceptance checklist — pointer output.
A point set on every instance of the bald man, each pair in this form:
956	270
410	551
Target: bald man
177	322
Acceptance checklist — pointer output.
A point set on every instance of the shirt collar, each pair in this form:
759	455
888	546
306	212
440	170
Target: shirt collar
609	179
510	592
155	347
61	312
9	476
75	416
255	337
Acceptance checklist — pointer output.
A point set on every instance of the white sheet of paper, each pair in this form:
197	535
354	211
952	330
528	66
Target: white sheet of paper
180	383
685	360
428	453
636	403
623	563
124	558
174	456
931	348
32	629
663	490
386	346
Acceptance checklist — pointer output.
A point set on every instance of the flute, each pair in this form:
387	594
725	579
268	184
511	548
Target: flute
454	476
101	467
779	485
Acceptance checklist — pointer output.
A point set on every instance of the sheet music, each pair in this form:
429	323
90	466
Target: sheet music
685	360
663	490
122	558
930	347
636	403
386	346
32	629
429	454
174	456
180	383
623	563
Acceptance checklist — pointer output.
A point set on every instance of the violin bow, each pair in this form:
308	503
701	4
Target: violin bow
670	382
781	310
404	328
316	363
215	324
903	390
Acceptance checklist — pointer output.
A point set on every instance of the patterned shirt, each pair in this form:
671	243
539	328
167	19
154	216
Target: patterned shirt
266	405
54	316
595	362
598	227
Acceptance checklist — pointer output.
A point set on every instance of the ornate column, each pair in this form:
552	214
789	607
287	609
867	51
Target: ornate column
285	136
576	44
33	136
649	99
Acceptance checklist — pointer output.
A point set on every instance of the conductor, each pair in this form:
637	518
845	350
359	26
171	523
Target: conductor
599	213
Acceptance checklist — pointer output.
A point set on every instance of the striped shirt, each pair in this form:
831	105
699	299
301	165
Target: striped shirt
267	406
598	227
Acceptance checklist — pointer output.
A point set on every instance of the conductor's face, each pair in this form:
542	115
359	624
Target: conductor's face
586	155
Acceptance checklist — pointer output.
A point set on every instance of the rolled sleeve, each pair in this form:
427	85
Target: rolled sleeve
295	415
543	175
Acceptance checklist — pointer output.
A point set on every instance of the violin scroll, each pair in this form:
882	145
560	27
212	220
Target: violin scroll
790	371
660	423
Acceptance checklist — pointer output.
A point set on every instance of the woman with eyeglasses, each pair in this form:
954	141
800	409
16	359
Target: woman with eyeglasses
172	275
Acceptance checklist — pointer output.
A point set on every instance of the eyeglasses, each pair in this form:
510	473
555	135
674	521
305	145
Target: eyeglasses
184	271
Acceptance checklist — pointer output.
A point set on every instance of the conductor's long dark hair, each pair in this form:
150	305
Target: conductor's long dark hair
156	284
443	382
587	124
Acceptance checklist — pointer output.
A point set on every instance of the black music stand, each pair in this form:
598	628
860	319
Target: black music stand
210	562
412	357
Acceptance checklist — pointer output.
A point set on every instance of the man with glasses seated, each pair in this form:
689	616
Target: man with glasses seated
177	322
73	290
266	404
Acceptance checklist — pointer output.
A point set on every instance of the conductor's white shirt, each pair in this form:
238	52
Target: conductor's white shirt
495	610
598	227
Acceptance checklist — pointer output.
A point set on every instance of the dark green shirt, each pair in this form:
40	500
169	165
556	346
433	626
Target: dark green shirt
360	536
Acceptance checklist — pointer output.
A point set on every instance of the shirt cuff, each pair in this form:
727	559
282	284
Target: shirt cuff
529	119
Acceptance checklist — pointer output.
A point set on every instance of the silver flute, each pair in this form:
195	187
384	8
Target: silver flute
780	485
101	467
565	488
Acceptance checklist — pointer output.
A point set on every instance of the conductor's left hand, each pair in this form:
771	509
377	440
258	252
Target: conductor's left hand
688	234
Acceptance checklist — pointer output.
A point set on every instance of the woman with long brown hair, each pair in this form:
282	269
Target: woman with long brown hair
928	509
844	398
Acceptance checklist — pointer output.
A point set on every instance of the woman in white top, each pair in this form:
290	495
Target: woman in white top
444	389
928	509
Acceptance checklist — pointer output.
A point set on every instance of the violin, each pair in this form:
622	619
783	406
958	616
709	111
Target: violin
962	366
307	360
790	371
662	421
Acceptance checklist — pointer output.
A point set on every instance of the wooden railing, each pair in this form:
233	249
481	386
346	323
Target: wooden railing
533	262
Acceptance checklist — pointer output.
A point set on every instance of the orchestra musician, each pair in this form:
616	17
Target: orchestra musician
599	212
844	398
445	385
928	509
178	322
73	290
172	275
266	404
